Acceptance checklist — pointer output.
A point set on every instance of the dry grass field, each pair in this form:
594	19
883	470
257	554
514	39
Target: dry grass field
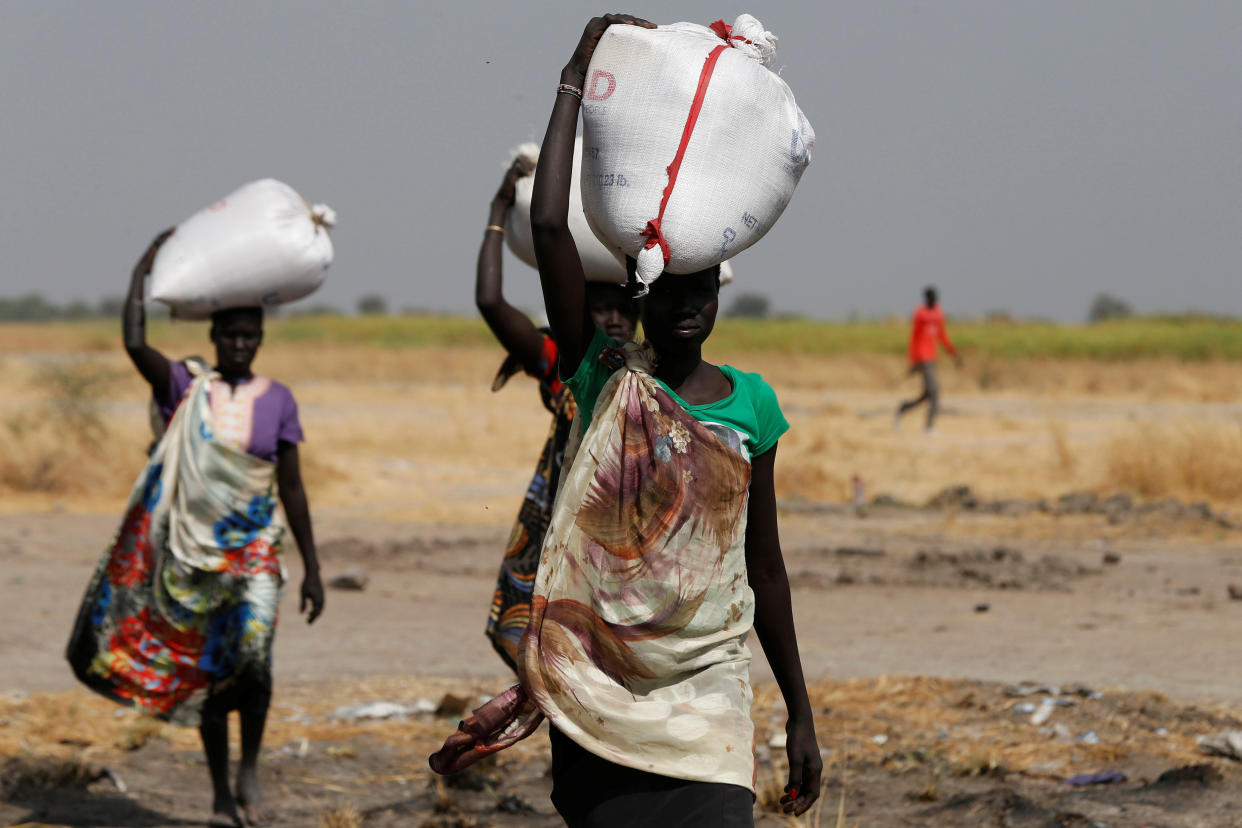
401	422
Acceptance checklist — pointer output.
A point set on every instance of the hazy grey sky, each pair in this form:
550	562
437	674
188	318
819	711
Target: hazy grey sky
1022	155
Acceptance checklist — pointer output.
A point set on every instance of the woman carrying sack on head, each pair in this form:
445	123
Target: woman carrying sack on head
534	351
663	552
180	615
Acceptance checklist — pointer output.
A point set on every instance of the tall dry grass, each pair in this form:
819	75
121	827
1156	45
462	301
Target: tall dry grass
57	435
412	431
1187	460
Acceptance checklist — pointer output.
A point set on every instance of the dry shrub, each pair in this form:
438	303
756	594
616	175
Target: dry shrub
60	439
22	777
1186	459
341	752
141	731
37	455
344	817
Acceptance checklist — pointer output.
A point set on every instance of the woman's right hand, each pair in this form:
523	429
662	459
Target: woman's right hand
520	168
576	69
311	601
805	767
148	258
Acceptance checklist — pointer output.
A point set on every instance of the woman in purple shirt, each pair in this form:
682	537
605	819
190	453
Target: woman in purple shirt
180	616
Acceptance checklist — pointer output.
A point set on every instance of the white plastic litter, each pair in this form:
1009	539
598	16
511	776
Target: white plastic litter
263	244
598	262
1227	743
383	710
1042	713
744	153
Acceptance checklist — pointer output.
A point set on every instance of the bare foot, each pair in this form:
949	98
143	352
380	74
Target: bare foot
258	814
250	799
224	814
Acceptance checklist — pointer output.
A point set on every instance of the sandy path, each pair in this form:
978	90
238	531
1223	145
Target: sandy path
1158	620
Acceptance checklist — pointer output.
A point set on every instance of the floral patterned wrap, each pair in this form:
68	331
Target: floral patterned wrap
510	609
184	600
636	647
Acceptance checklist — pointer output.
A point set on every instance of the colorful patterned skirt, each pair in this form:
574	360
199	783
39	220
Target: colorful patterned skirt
510	608
183	603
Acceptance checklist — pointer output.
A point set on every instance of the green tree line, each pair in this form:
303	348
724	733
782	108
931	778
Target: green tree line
34	307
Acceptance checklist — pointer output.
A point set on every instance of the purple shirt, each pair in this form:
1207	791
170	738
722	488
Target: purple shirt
256	416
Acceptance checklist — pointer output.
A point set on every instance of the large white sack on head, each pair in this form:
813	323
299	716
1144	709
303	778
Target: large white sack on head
263	244
598	262
743	156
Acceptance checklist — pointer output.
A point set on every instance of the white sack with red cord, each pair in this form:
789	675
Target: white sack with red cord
692	146
598	262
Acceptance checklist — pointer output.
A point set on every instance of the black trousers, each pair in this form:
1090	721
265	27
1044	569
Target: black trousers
931	392
591	792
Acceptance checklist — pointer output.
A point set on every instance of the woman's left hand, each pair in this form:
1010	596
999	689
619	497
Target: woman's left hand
576	69
505	195
312	597
805	767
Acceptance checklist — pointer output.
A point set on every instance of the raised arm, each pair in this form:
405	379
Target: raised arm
560	268
765	570
516	332
297	510
150	363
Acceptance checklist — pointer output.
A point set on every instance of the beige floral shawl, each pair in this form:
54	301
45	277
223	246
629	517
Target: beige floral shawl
636	644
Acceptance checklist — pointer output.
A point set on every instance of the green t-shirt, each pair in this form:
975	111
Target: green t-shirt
751	410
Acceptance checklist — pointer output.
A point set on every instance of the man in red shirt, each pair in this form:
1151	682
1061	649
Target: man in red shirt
927	330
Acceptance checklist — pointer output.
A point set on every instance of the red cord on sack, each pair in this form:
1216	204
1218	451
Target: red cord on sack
726	33
652	231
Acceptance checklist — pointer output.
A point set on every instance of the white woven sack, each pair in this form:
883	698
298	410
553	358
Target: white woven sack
743	156
598	262
263	244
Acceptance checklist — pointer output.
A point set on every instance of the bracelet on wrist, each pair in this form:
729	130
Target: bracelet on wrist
495	227
567	89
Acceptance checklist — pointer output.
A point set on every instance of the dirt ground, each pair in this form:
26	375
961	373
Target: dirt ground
1129	624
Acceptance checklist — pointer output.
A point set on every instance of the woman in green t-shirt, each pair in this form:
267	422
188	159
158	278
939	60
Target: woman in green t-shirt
661	555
